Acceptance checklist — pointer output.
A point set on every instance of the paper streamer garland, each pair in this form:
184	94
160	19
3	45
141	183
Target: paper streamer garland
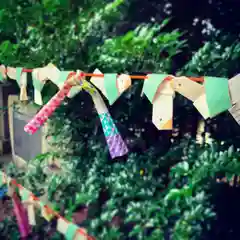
21	216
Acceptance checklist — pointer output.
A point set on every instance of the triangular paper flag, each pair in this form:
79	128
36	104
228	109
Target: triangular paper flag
235	112
217	95
162	116
18	75
124	81
188	88
98	82
151	85
71	231
110	85
38	86
201	105
234	86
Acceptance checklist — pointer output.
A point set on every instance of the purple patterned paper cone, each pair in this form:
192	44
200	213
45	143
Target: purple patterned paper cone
117	146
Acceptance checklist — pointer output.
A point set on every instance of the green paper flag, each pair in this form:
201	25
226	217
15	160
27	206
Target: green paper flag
25	194
1	178
71	231
110	84
1	77
151	85
62	78
217	95
38	86
18	75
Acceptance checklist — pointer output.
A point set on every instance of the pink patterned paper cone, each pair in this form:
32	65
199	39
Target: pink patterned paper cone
21	216
41	117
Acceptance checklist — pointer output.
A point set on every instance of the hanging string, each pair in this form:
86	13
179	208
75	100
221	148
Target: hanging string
51	211
139	77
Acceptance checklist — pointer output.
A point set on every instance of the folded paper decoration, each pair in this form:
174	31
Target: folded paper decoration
217	95
234	86
216	98
21	216
116	145
111	85
188	88
62	223
160	93
151	85
38	86
162	116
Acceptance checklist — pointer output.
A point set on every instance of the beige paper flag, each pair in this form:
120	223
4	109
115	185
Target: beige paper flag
234	86
162	116
12	72
235	112
23	87
62	226
201	105
49	72
188	88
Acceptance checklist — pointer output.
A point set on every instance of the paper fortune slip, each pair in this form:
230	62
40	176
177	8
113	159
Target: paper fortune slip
111	85
234	86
